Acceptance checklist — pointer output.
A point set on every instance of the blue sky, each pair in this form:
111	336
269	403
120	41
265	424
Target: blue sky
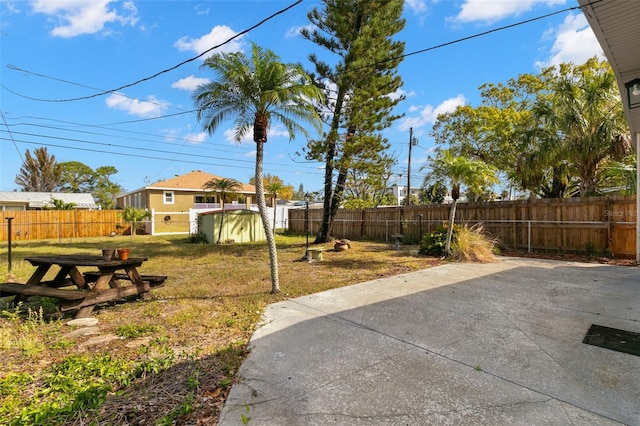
54	51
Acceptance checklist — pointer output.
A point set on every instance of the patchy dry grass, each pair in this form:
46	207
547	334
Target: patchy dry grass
181	350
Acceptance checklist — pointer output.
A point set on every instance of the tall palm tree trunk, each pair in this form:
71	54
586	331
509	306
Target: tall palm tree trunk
221	221
452	216
262	207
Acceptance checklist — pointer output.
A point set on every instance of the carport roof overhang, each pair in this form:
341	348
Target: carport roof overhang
616	24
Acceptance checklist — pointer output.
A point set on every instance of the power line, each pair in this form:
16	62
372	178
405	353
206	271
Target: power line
129	147
173	138
147	157
164	71
484	33
11	136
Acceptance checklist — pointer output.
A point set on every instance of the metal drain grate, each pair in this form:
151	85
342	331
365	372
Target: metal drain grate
614	339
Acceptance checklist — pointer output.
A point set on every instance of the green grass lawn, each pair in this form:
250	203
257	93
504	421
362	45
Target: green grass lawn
170	360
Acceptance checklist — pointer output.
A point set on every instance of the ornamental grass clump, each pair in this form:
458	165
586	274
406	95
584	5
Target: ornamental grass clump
472	245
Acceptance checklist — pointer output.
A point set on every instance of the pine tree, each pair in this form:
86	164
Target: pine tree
358	88
40	173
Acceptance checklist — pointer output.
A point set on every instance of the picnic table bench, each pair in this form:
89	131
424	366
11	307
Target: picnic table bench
87	289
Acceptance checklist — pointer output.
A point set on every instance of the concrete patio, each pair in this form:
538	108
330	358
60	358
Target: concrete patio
457	344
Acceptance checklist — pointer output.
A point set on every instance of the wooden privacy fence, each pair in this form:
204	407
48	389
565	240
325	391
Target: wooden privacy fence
50	224
593	224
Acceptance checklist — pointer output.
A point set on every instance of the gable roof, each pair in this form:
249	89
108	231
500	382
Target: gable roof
194	181
42	199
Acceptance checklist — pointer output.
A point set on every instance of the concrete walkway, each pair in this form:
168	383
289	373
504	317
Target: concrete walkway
459	344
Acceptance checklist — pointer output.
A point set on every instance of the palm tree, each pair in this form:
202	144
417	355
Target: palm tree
224	186
274	188
618	177
458	171
584	118
255	91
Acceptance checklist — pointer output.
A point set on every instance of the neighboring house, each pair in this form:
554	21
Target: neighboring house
182	193
17	201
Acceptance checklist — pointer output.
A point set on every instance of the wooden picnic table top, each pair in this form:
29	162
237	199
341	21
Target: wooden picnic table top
83	260
106	287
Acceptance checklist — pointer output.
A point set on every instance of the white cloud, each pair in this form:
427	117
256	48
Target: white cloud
495	10
428	114
150	108
229	135
218	35
398	93
196	138
189	83
294	31
201	10
77	17
9	7
574	42
274	132
417	6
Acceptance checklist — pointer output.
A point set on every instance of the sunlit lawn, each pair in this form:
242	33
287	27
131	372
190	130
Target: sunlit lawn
204	316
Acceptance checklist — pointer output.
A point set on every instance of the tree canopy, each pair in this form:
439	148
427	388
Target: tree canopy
549	133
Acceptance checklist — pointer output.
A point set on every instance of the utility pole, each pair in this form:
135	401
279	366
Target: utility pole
412	141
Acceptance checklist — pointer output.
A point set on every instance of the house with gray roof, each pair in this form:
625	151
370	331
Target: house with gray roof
18	201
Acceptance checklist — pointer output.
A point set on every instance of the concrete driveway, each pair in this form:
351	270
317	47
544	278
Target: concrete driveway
458	344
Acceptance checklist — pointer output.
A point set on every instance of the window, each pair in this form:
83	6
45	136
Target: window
168	197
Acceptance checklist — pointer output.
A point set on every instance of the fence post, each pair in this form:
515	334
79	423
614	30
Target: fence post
9	220
528	236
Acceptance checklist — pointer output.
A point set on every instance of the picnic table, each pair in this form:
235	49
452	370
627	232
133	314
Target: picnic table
113	280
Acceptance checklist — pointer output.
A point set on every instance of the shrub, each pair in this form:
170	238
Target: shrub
136	217
433	244
471	245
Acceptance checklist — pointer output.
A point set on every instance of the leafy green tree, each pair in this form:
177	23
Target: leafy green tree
459	171
548	133
255	91
285	192
224	186
39	173
299	194
360	33
433	193
369	171
105	190
76	177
